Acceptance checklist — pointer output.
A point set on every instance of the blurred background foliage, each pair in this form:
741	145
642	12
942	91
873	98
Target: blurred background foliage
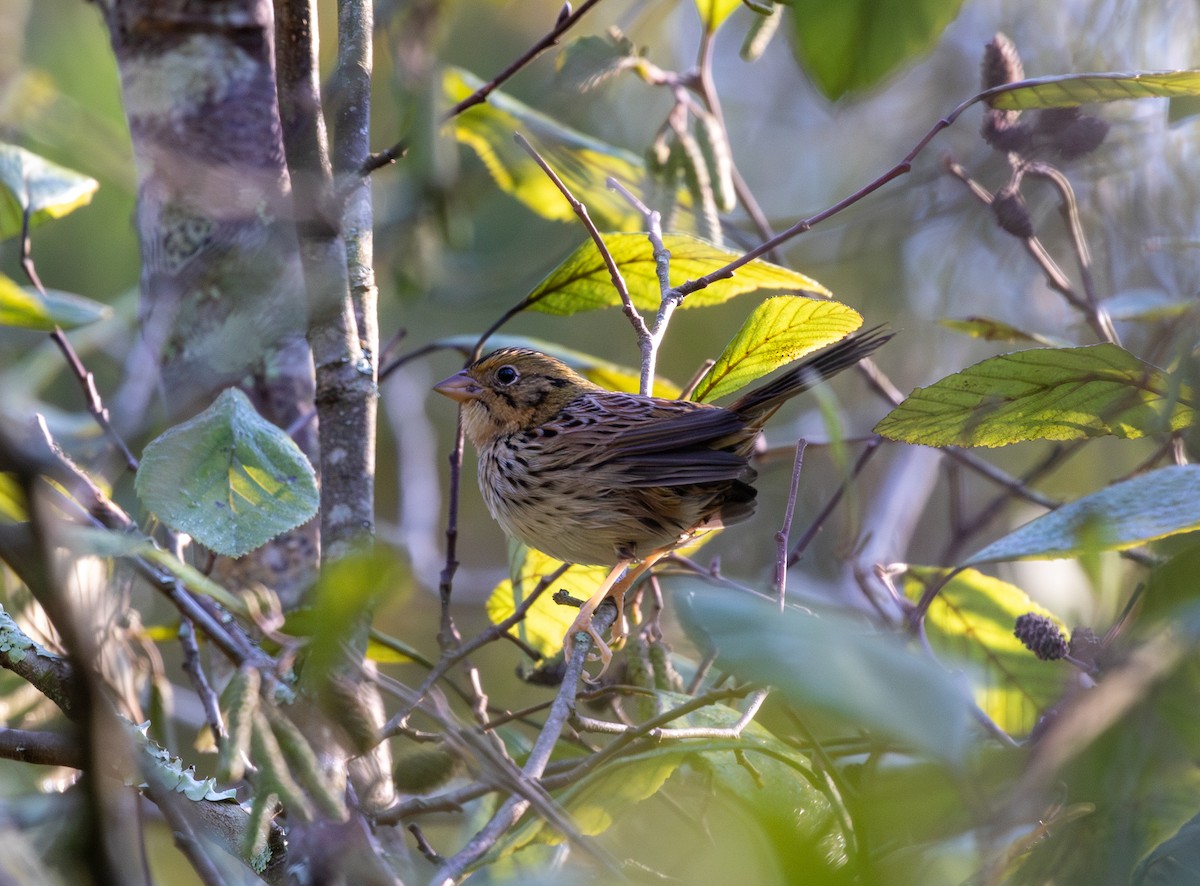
454	251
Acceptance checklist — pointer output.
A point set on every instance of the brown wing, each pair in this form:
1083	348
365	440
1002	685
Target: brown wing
645	441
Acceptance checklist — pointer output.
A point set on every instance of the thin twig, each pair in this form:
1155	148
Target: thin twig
192	666
806	224
566	20
1097	316
669	297
987	513
781	537
1056	278
819	521
664	733
431	854
514	807
91	395
708	93
581	211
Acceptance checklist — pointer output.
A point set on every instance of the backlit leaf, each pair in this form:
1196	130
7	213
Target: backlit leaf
228	478
25	308
971	622
582	282
714	12
1070	90
1042	394
990	329
33	183
777	332
584	163
1141	509
546	623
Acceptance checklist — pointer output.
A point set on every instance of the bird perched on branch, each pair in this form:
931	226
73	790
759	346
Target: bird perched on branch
597	477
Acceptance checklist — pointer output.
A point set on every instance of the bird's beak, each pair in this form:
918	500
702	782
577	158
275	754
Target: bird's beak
460	387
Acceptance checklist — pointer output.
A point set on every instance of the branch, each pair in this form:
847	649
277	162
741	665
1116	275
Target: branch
635	319
452	656
49	674
781	537
662	733
40	748
566	21
87	381
806	224
669	297
514	807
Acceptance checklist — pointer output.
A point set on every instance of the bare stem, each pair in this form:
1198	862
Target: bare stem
91	395
781	537
462	650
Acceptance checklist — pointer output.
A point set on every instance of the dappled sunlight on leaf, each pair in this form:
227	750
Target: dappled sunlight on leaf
228	478
778	332
1042	394
1076	89
582	281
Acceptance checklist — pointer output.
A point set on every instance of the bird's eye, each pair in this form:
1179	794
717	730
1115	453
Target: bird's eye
506	375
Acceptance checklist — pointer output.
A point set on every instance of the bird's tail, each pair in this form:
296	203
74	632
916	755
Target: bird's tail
758	405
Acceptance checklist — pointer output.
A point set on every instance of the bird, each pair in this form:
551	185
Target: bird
603	478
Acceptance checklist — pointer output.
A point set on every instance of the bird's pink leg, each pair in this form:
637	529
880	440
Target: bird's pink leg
614	585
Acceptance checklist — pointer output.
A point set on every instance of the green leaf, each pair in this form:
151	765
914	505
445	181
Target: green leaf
228	478
582	283
1069	90
777	332
971	622
1141	509
1171	586
609	375
714	12
385	649
546	623
852	45
990	329
582	162
346	588
869	680
589	61
1042	394
1175	861
25	308
33	183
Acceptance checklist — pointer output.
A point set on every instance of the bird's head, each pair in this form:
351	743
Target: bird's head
511	389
